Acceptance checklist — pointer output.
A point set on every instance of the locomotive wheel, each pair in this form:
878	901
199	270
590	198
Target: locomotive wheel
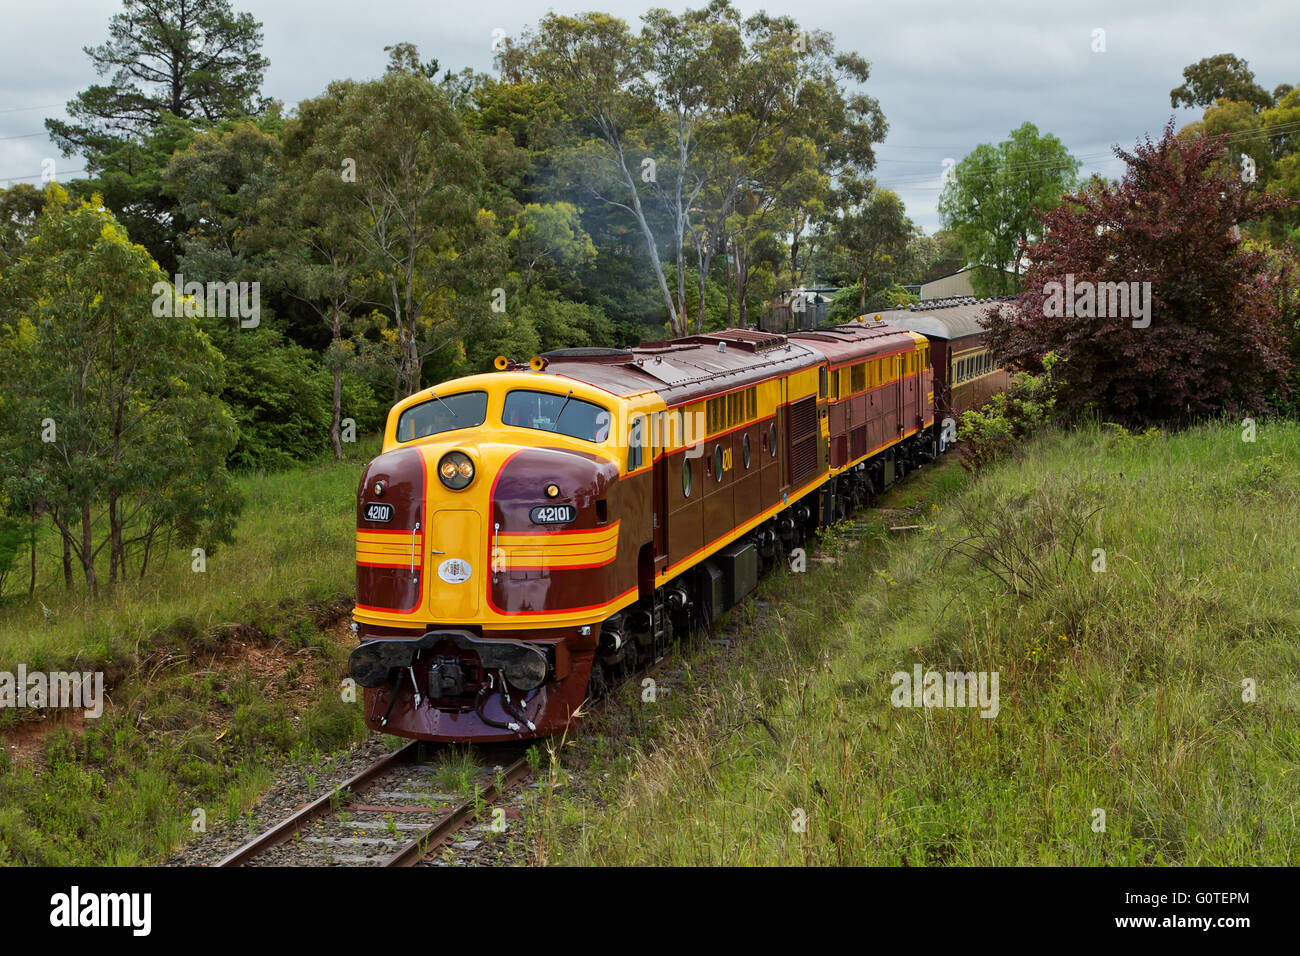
597	682
627	665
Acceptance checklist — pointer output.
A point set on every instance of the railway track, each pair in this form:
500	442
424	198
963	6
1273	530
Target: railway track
394	813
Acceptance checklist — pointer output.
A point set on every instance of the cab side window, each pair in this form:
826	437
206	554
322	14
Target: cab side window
634	451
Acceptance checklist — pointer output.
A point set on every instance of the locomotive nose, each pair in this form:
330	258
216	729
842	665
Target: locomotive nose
420	532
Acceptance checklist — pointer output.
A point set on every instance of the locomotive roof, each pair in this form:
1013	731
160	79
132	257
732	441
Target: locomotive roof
948	319
686	369
855	341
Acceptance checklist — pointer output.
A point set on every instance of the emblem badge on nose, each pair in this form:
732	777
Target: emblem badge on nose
455	571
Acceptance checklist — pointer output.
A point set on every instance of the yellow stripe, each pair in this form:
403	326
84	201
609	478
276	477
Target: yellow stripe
394	549
575	549
584	539
532	558
402	539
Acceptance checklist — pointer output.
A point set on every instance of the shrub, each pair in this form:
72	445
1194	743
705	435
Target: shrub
1008	417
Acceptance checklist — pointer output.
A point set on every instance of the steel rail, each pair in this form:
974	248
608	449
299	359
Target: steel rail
433	837
320	807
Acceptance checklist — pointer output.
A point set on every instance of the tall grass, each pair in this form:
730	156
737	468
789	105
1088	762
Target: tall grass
1123	691
293	543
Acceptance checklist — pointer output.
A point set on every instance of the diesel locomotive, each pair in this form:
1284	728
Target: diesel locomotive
530	536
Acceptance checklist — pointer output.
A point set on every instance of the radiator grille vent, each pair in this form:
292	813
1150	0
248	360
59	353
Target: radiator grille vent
803	418
803	460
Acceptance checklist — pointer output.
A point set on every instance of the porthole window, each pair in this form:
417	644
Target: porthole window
687	477
717	463
771	439
744	450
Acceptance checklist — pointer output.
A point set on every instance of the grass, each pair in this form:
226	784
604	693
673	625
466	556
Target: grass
215	677
1160	692
293	545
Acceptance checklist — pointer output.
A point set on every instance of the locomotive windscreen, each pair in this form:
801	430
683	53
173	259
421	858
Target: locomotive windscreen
442	414
549	412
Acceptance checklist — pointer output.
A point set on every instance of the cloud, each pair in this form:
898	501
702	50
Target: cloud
948	75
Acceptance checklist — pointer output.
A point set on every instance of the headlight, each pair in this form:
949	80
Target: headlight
456	470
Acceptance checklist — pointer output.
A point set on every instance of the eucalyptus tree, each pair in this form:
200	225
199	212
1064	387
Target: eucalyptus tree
873	234
796	122
314	234
706	129
414	172
600	69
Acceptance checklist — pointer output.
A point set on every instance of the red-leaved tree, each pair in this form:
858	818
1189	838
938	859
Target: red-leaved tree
1203	338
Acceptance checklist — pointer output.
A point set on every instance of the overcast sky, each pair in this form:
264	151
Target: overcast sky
949	74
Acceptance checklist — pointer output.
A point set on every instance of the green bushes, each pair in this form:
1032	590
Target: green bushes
1009	417
280	395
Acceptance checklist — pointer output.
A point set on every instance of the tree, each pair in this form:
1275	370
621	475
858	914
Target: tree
20	209
1219	77
1265	148
111	406
314	231
414	171
792	125
873	231
226	184
550	238
191	59
708	132
599	67
176	65
932	257
1213	343
991	198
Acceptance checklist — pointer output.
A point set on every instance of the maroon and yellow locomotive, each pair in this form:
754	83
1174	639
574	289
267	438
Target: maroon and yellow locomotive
530	536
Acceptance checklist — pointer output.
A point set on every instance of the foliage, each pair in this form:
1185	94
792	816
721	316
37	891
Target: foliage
932	257
1213	343
111	410
224	183
20	208
13	536
874	233
280	396
704	130
992	197
418	187
1009	417
190	59
175	65
1265	147
1221	77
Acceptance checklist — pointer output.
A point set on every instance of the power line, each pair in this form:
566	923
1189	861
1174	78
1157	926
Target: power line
21	109
12	179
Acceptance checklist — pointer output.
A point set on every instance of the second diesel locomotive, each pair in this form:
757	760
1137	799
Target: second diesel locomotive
530	536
